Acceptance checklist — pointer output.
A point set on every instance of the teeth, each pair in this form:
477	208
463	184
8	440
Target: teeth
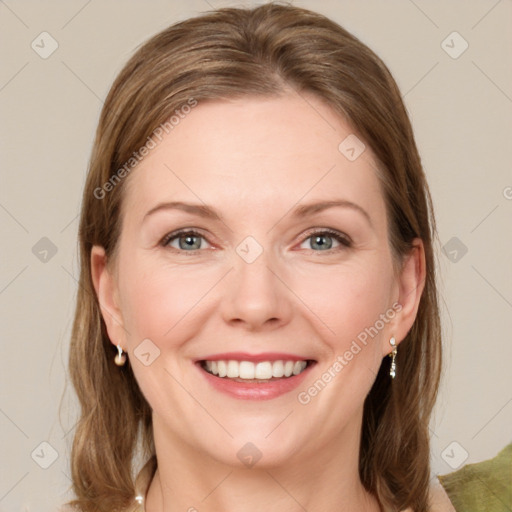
263	370
232	369
297	367
222	368
248	370
278	369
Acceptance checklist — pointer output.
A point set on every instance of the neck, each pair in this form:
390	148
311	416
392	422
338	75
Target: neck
325	480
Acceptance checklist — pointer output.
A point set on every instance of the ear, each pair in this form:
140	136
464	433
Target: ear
106	290
410	284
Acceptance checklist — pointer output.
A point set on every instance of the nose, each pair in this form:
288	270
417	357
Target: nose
256	297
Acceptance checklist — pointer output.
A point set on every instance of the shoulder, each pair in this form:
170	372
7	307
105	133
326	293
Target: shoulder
438	499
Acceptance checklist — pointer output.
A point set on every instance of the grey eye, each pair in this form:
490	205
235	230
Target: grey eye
325	240
185	241
321	242
189	242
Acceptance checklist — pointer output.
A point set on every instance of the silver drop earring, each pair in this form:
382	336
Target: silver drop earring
392	370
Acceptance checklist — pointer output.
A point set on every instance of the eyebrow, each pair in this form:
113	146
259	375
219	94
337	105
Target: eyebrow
194	209
304	210
309	209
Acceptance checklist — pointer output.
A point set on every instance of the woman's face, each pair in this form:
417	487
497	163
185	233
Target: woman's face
250	235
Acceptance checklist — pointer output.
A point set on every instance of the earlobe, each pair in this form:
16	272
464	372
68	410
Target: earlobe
411	282
106	291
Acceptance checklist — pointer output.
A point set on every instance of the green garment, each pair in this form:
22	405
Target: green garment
484	486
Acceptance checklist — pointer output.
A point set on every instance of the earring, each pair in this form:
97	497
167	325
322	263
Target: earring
392	370
120	358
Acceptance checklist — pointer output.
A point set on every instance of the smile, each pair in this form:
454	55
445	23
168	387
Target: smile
254	377
263	371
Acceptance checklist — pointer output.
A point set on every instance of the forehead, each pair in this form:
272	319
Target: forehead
257	152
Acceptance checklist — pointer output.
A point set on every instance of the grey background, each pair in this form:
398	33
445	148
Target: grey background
461	109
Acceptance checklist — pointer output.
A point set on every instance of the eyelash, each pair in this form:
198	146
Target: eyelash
344	240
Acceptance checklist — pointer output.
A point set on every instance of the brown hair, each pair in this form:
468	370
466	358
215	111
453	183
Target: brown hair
232	53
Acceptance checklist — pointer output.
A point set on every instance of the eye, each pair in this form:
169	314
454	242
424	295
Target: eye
326	240
186	240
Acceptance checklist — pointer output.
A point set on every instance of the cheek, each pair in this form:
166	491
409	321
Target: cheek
165	305
348	299
349	308
159	300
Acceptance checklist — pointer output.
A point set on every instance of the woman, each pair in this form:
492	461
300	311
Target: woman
257	325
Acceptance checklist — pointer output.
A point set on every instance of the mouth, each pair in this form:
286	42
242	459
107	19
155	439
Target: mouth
259	377
251	372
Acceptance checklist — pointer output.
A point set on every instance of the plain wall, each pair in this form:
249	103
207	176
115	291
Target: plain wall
461	110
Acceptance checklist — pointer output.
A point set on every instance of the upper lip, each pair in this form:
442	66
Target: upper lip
255	358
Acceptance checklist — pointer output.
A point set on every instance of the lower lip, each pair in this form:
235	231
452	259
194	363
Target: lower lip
255	390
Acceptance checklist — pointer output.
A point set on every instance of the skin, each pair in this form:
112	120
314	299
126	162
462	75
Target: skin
254	160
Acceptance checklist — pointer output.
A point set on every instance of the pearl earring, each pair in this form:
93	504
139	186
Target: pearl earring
120	358
392	370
